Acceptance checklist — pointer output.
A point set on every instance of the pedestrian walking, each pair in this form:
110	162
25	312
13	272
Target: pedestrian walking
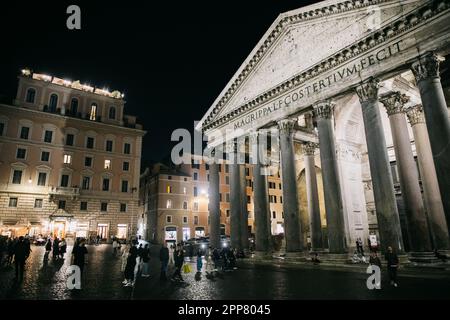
11	244
21	253
55	248
131	265
79	252
124	257
145	261
392	265
62	248
164	258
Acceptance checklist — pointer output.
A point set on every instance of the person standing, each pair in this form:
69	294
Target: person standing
145	256
392	265
62	248
79	252
131	265
199	261
171	255
21	253
11	244
164	258
115	245
179	260
55	248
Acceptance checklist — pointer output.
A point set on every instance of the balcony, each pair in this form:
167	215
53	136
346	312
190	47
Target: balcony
64	192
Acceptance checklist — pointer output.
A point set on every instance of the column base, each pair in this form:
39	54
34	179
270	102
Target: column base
297	255
263	255
334	258
423	258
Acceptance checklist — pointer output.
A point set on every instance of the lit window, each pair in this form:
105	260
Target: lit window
184	190
93	113
169	189
67	159
107	164
169	204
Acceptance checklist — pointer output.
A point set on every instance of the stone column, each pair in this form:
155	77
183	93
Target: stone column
430	185
214	205
292	227
313	197
243	226
426	71
323	112
417	225
235	196
261	201
380	170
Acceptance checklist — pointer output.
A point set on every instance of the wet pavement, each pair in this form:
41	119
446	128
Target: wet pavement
102	280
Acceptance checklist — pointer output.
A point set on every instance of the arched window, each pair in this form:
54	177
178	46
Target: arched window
31	94
53	103
112	113
93	114
74	106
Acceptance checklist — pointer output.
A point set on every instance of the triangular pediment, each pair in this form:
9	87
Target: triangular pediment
300	39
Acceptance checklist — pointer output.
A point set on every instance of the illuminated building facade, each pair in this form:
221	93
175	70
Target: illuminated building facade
70	161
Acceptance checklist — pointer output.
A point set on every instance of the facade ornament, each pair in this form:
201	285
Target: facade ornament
309	148
368	90
394	102
286	126
323	109
427	66
415	114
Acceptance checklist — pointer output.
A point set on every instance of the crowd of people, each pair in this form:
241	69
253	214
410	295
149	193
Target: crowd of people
17	250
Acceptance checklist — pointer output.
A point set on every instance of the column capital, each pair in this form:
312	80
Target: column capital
394	102
427	66
323	109
415	114
368	90
309	148
286	126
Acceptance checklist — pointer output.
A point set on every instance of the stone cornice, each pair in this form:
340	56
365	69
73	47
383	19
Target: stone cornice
415	114
393	29
394	102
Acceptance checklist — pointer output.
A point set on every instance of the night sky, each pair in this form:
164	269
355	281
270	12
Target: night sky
171	58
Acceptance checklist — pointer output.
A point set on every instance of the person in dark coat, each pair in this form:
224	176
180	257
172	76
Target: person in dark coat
79	252
392	265
55	248
179	260
21	253
131	265
164	258
11	244
375	260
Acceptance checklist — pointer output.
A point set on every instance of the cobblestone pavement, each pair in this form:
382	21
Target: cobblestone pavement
102	280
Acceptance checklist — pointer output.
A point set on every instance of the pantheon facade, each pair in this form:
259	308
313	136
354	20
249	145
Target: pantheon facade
356	92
